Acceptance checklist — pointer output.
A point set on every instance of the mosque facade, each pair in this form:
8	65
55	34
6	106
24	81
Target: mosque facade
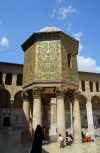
48	89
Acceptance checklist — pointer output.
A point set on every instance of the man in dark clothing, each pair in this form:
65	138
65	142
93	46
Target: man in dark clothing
37	142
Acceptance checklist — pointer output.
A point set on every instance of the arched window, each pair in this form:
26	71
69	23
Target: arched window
83	85
69	60
91	86
8	79
19	79
1	77
97	86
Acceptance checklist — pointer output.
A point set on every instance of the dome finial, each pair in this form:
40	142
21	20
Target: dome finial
50	23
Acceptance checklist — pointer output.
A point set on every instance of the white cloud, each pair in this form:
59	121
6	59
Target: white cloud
69	27
64	11
4	42
80	47
87	64
58	1
52	15
77	35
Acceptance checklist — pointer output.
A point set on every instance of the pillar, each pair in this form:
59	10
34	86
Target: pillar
25	135
11	114
71	112
53	126
77	119
36	91
90	119
61	126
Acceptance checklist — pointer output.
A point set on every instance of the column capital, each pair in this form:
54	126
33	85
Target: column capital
11	101
60	92
74	95
25	95
37	92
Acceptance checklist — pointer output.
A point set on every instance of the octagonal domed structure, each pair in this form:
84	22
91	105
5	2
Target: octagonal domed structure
50	58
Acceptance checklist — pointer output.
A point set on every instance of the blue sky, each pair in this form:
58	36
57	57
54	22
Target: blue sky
78	18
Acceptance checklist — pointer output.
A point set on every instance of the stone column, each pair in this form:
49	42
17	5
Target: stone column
61	126
90	119
11	114
77	119
71	112
53	125
37	91
25	135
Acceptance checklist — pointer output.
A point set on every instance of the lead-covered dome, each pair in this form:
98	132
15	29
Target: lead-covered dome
50	29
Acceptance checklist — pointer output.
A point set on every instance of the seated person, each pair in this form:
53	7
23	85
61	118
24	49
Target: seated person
69	140
87	138
91	139
83	137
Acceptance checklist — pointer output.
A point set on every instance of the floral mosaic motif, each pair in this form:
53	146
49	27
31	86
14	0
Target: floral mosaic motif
48	54
68	73
29	65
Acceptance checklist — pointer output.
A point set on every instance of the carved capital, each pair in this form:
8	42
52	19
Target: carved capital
74	95
37	92
60	92
24	95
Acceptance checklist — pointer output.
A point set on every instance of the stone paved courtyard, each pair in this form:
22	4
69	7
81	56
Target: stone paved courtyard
10	142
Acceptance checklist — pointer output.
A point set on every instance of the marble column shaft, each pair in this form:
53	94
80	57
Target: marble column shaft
77	120
25	136
11	112
61	126
90	120
36	91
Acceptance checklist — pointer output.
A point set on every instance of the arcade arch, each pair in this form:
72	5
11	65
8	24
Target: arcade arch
1	74
4	98
96	109
18	101
19	79
8	79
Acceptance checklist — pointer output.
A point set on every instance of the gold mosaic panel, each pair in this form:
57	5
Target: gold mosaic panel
28	71
69	73
48	60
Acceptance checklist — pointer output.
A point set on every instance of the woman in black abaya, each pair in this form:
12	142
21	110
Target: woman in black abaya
37	142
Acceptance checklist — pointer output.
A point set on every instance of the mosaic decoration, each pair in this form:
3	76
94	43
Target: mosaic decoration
28	73
69	73
48	61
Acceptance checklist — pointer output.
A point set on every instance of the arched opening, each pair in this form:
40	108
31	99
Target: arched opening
82	102
83	85
1	74
18	101
4	99
91	86
97	86
19	79
8	79
96	109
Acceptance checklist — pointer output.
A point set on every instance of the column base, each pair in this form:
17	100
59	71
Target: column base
53	129
91	131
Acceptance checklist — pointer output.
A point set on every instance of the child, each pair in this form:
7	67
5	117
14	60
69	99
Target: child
61	140
69	140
